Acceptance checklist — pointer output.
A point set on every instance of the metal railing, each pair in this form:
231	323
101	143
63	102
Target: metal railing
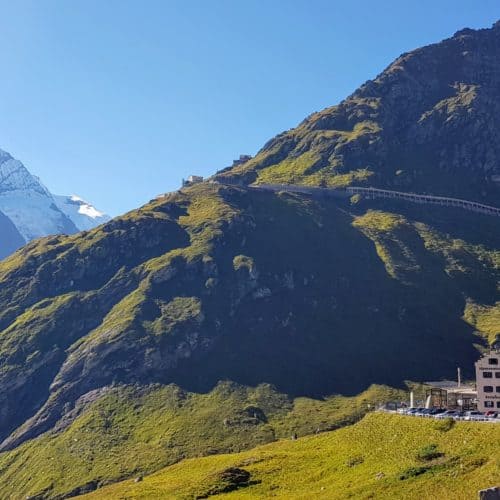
373	193
473	206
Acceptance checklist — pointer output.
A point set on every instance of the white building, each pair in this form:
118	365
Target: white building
192	179
488	381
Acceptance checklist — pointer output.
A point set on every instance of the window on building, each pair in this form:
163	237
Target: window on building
498	404
498	388
488	404
487	375
497	374
488	388
493	361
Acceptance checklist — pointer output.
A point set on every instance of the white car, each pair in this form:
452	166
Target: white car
449	414
474	415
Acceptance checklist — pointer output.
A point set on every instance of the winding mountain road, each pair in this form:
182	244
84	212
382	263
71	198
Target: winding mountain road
372	193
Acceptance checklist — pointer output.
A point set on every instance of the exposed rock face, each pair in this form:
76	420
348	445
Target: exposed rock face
72	275
429	123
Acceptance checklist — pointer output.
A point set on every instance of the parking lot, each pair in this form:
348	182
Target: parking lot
441	413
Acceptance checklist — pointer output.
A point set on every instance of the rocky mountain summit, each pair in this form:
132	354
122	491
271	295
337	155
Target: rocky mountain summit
114	333
429	123
34	211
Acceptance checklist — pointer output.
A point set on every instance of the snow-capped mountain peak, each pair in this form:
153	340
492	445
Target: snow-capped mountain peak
14	176
34	210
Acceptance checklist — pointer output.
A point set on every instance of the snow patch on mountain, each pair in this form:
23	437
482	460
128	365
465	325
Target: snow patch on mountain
84	215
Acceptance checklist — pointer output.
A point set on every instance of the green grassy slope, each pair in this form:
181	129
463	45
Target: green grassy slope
135	430
140	297
382	456
283	289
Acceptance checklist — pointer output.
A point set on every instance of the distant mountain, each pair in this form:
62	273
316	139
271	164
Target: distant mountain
34	211
28	203
10	238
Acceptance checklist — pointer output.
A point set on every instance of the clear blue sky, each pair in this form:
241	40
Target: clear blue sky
118	100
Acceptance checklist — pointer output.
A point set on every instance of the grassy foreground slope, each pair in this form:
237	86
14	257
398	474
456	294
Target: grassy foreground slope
383	456
133	430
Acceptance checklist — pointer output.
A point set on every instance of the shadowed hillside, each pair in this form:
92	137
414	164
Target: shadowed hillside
221	283
10	238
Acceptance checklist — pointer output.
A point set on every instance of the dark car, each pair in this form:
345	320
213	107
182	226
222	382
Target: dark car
436	411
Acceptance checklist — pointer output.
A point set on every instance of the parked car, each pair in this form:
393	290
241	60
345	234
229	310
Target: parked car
474	415
449	414
426	413
414	411
420	412
491	414
436	411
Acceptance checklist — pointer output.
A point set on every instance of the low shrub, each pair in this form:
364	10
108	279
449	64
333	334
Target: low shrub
429	452
444	425
353	461
227	480
414	472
